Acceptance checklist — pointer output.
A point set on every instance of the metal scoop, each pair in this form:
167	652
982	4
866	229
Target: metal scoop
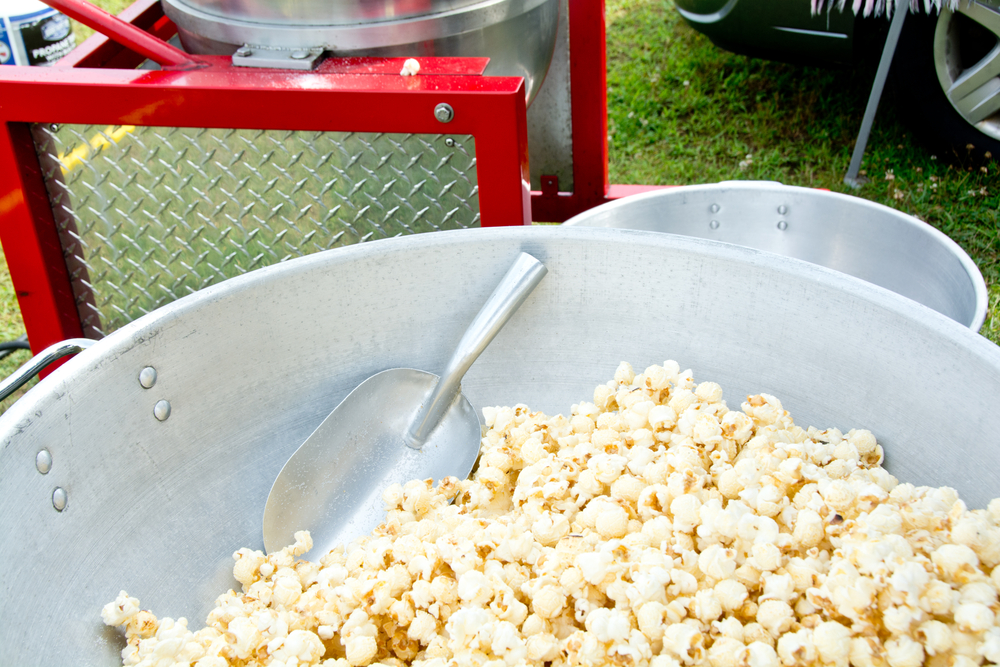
398	425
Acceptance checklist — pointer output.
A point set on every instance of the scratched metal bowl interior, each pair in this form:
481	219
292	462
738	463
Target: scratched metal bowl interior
852	235
252	365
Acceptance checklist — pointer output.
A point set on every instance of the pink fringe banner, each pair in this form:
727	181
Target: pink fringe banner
880	7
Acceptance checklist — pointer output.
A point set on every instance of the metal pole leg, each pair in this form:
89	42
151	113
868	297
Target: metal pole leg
880	76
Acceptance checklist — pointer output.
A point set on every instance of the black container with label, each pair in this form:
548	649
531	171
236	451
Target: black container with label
32	33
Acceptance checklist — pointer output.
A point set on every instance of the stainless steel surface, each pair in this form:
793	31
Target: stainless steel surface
323	12
337	494
43	461
516	285
398	425
149	214
855	236
444	113
40	362
147	377
974	91
255	364
550	117
517	35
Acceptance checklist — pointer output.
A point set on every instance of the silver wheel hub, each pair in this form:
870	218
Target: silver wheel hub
973	88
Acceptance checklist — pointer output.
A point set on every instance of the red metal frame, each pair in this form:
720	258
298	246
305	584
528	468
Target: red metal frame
365	95
31	244
97	85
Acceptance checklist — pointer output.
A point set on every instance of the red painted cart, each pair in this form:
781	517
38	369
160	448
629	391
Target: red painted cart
125	187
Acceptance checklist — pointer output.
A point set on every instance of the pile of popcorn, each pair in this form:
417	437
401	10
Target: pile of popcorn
653	526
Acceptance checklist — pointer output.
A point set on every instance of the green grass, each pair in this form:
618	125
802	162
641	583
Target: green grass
682	111
82	32
11	327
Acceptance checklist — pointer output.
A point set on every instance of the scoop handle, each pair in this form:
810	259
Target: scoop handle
519	281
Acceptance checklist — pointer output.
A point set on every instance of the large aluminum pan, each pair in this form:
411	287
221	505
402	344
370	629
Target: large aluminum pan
251	366
849	234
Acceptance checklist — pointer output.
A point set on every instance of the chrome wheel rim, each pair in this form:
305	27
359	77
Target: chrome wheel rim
971	81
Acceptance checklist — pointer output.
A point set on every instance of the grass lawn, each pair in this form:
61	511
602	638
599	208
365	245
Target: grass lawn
11	327
682	111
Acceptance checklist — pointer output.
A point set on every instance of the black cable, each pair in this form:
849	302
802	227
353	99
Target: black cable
8	347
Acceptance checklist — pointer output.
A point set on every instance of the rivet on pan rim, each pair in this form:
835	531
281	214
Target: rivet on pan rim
714	208
714	224
782	225
161	410
782	209
147	377
43	461
59	498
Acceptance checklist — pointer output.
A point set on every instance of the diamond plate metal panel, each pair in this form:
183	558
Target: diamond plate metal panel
149	214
